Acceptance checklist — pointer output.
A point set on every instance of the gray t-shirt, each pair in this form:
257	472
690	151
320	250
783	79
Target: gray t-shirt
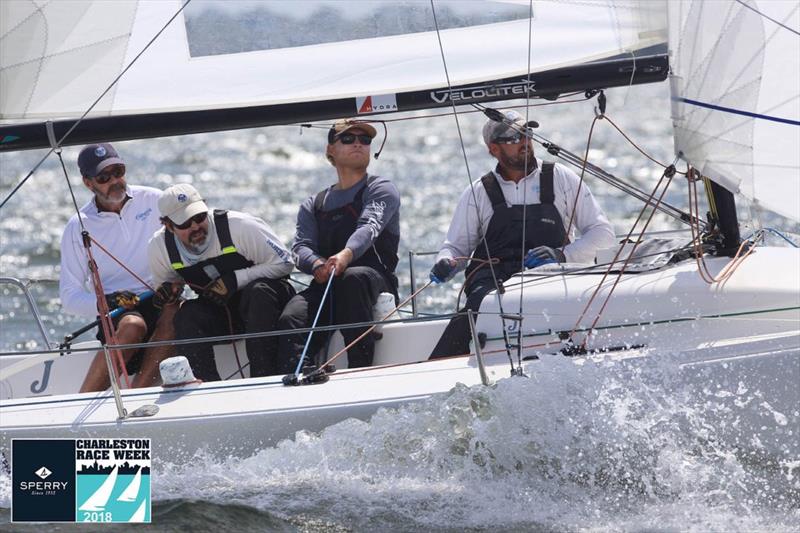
381	212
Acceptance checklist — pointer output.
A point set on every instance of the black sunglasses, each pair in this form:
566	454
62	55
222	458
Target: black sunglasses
114	171
349	138
198	219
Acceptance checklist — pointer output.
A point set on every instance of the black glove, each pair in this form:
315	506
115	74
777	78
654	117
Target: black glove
443	270
542	255
221	289
126	299
167	293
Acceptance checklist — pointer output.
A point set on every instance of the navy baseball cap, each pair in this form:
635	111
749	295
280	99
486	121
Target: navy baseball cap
95	157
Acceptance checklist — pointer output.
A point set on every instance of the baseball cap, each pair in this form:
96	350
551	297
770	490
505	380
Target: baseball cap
95	157
494	130
181	202
344	124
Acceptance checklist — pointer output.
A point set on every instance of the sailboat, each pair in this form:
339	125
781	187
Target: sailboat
131	492
99	498
736	118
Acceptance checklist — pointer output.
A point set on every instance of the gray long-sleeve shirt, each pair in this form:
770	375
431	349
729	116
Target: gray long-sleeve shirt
381	212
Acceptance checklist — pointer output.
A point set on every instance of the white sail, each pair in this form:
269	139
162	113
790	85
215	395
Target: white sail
56	57
140	513
98	500
131	492
736	96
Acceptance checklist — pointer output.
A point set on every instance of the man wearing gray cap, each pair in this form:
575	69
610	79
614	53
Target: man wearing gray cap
238	267
121	218
521	187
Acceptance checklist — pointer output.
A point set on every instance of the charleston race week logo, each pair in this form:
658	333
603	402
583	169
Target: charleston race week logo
80	480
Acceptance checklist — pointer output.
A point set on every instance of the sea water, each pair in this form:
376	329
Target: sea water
590	448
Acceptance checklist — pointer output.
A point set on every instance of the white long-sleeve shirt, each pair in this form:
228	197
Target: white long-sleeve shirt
124	235
590	222
251	236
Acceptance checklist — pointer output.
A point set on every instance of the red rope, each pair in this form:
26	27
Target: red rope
120	263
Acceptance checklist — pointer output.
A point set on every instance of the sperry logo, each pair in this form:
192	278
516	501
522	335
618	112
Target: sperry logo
549	221
43	472
479	92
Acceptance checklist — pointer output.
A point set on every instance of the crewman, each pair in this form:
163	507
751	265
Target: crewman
546	196
121	218
237	265
351	230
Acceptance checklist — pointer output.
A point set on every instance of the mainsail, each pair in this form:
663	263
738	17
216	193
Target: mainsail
736	96
305	61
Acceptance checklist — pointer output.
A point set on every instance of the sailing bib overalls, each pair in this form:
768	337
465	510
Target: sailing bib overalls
543	227
254	308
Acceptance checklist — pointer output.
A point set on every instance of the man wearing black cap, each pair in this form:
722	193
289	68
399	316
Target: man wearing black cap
521	187
351	230
121	218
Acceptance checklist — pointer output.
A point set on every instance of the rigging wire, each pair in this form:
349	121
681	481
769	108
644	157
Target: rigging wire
498	290
85	113
528	154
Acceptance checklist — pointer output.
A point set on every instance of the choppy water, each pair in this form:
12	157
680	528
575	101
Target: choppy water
547	455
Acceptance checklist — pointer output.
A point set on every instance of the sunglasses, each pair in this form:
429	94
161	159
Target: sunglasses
198	219
349	138
511	139
114	171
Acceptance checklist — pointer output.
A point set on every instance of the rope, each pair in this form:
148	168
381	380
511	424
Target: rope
666	174
702	268
353	343
106	323
471	185
120	263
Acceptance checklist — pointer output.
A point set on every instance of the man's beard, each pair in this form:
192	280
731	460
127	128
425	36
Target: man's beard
114	195
198	240
524	161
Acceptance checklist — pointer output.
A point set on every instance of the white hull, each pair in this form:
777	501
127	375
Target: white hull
741	336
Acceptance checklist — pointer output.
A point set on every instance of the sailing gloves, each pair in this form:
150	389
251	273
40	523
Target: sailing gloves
443	270
221	289
167	293
126	299
542	255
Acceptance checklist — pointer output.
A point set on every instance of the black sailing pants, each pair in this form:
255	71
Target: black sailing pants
253	309
350	299
456	336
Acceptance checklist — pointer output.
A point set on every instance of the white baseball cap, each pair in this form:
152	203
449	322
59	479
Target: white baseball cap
181	202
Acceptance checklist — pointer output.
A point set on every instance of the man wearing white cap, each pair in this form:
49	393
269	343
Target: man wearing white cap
121	218
238	267
521	187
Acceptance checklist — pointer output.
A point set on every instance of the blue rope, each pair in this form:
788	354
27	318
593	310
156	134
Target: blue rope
779	234
314	325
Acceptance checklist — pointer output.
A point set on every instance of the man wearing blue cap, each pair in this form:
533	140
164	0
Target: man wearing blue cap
121	218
